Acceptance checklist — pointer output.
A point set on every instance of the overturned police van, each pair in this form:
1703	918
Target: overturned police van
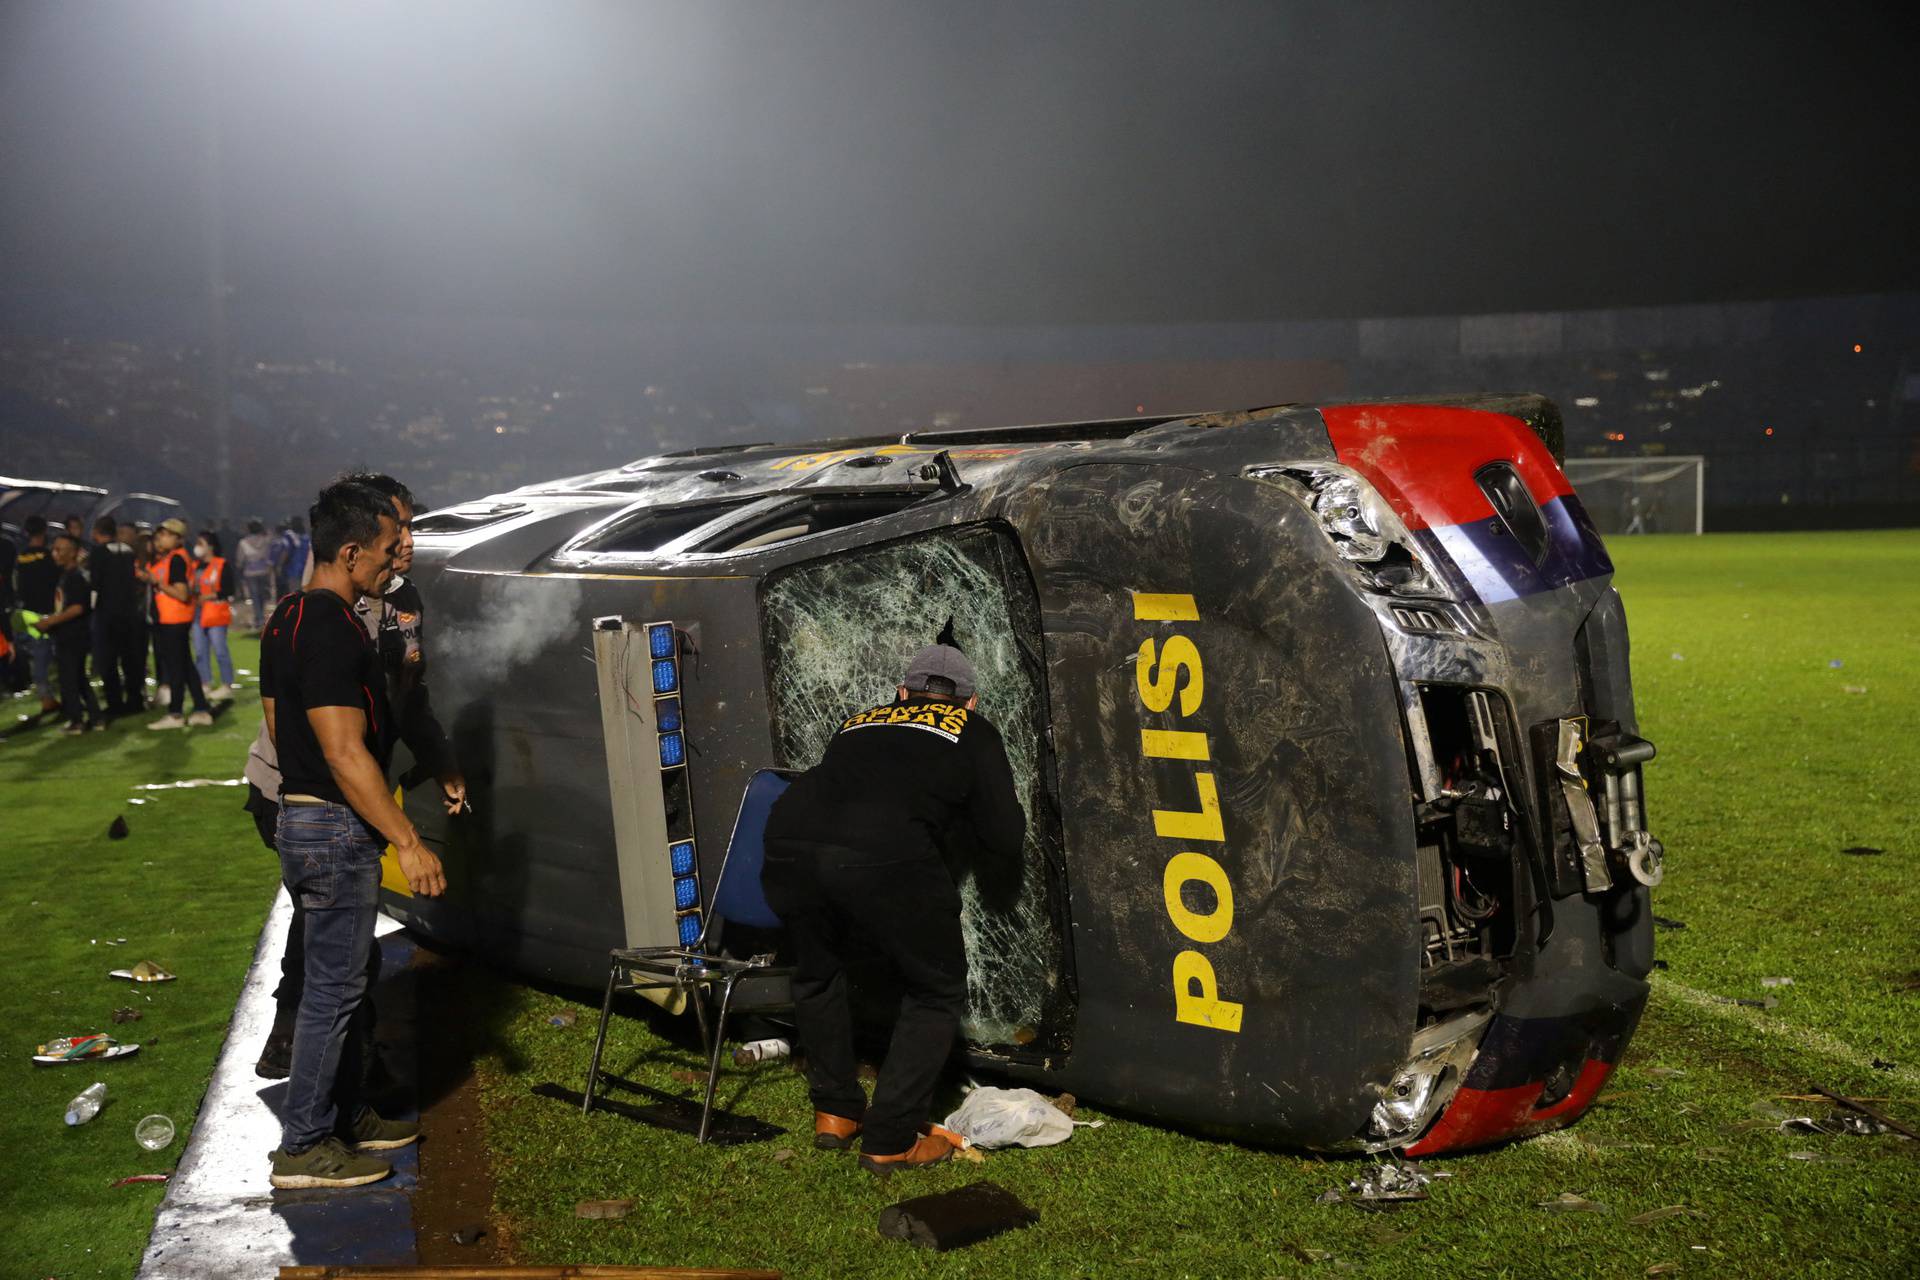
1321	716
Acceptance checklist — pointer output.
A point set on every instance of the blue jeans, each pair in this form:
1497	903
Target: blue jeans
39	651
210	643
330	864
259	592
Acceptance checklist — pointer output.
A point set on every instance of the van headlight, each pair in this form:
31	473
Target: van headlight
1361	525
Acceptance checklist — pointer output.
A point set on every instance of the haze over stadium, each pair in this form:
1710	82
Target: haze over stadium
1431	702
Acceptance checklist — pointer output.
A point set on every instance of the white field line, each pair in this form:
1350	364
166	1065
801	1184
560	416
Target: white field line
1806	1039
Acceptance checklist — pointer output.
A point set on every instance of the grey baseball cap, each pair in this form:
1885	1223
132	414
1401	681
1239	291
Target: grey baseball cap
945	661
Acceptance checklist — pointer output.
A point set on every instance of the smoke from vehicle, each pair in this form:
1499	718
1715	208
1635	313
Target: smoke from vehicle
516	621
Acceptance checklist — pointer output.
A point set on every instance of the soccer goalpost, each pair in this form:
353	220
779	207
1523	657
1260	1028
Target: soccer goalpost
1642	495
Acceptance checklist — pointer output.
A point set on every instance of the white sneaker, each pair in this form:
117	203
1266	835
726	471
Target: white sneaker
219	693
200	718
168	722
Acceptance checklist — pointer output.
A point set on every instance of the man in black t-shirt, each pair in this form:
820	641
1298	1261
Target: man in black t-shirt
325	700
856	855
69	629
119	627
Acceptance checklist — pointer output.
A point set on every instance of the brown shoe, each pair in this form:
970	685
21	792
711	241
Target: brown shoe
833	1133
926	1150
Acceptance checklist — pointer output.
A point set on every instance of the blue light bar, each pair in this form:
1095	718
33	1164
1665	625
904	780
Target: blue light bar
666	712
682	854
660	639
686	893
673	750
666	676
689	928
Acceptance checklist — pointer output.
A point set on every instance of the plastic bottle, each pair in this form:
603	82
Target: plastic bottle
761	1051
87	1105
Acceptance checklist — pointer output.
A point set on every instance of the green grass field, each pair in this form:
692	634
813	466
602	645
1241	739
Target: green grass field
1769	766
1772	760
188	888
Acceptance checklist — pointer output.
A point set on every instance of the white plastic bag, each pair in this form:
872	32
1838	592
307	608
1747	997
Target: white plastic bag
993	1118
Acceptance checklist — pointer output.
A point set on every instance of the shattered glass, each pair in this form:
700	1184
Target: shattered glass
839	632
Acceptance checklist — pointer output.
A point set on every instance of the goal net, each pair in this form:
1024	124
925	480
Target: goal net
1642	495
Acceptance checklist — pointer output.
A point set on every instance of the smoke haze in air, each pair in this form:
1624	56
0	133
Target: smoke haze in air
877	161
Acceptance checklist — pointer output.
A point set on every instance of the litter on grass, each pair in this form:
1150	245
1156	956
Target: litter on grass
145	971
127	1015
469	1235
1863	851
1666	923
1776	982
992	1117
117	829
603	1209
1384	1186
94	1048
1818	1157
1568	1202
187	784
139	1177
154	1132
1652	1216
565	1018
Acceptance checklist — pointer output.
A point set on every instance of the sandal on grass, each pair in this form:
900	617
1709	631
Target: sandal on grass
94	1048
145	971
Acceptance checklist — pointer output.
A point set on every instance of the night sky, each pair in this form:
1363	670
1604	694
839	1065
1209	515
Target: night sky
822	160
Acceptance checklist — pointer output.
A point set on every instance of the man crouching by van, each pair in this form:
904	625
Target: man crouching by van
328	714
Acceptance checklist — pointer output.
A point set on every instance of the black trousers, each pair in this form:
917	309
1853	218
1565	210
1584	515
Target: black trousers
120	660
175	649
908	913
76	692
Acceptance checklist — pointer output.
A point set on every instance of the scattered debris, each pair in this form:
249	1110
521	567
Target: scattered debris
1863	851
117	829
603	1209
128	1014
1881	1064
565	1018
684	1076
1667	923
1860	1107
1568	1202
470	1234
1652	1216
154	1132
1330	1196
1387	1186
1679	657
1768	1002
1853	688
1663	1073
1818	1157
139	1177
783	1155
69	1049
116	942
1065	1104
1834	664
993	1117
954	1219
187	784
145	971
1661	965
1664	1269
1776	982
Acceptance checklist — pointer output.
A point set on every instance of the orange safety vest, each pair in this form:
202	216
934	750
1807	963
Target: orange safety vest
214	612
171	611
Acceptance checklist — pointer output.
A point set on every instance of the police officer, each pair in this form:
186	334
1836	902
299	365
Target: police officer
856	859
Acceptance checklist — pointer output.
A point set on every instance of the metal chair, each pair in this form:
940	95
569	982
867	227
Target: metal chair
695	970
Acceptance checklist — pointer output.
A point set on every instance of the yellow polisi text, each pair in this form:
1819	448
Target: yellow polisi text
1170	673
